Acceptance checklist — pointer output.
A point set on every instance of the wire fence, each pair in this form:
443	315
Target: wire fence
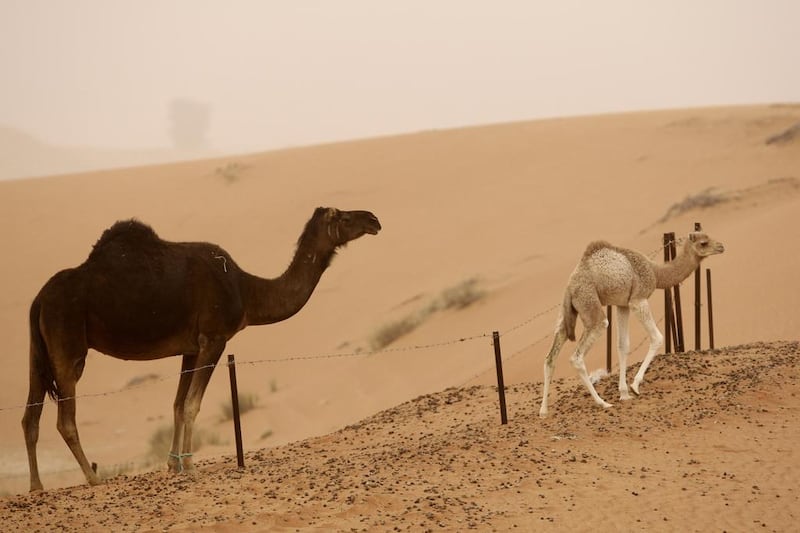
338	355
334	355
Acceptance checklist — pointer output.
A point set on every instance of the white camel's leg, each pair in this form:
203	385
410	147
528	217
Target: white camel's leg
559	337
642	311
587	339
623	349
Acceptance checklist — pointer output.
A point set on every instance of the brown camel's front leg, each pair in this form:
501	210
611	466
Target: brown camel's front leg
210	352
188	363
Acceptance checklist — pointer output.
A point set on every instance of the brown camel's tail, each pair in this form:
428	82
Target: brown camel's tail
41	367
570	316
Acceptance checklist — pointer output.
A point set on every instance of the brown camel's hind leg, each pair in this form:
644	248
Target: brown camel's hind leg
30	426
69	431
187	366
210	352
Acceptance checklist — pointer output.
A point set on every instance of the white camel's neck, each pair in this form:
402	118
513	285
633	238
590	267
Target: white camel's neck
677	270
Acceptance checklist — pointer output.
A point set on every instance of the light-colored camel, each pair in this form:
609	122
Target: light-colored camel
138	297
608	275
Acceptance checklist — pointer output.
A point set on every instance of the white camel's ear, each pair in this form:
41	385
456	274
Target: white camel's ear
693	236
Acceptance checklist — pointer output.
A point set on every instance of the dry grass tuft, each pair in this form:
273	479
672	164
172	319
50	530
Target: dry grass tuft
457	297
702	200
247	402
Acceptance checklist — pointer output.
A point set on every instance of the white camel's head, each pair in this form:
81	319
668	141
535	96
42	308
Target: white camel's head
703	245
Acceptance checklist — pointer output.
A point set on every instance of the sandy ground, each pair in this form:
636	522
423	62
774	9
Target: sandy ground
708	446
511	206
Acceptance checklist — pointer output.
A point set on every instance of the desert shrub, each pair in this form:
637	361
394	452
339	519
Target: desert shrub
139	380
701	200
457	297
107	472
231	172
462	295
388	333
161	441
247	402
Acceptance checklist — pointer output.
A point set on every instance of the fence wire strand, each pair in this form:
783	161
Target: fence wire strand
337	355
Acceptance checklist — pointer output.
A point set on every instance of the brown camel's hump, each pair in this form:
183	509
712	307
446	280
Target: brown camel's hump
127	233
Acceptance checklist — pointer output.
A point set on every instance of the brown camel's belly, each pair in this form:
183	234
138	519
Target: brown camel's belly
136	351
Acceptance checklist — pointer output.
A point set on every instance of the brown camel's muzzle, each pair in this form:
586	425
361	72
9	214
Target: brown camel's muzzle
371	223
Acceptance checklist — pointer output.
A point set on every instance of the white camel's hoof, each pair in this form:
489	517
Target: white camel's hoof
542	413
606	405
624	396
635	388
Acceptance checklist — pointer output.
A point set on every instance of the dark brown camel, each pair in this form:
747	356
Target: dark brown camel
138	297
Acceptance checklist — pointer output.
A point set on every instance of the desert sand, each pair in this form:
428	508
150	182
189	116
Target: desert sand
408	436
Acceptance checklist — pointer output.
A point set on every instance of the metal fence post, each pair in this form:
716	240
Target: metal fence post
697	303
237	423
668	325
679	340
501	389
710	311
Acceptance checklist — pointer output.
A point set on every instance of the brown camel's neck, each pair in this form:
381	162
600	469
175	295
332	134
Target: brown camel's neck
267	301
677	270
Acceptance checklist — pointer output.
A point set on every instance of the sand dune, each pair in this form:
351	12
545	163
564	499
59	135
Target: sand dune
510	205
708	446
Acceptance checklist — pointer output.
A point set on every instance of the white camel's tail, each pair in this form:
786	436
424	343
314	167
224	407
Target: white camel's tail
570	316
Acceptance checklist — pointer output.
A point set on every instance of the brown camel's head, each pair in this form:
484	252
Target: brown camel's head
334	228
703	245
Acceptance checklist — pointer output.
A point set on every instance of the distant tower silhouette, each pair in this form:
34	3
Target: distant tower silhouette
189	121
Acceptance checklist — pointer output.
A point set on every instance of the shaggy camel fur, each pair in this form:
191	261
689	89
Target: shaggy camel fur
608	275
138	297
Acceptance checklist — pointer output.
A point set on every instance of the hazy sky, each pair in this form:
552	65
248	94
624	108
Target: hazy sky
273	74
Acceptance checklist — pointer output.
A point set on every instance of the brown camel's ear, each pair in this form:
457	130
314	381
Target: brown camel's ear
330	214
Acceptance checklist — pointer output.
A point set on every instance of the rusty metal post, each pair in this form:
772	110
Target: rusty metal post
710	311
608	340
697	303
680	346
667	303
237	423
501	388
